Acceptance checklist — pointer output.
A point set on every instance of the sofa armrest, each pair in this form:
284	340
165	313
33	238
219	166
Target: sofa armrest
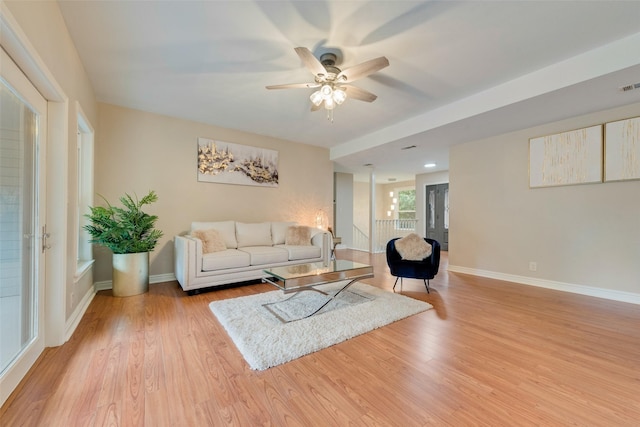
187	258
324	241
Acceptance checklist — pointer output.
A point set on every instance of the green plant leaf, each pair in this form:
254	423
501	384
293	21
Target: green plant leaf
124	229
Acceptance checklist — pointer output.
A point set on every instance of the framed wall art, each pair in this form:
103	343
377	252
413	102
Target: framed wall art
566	158
229	163
622	150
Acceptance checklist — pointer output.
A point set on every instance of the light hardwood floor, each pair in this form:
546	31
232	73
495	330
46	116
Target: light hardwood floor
490	353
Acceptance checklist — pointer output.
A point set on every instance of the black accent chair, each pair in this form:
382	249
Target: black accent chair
425	269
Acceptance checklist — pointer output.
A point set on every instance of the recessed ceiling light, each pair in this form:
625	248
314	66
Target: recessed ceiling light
430	165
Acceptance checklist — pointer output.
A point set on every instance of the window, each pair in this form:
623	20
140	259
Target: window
84	178
407	204
406	209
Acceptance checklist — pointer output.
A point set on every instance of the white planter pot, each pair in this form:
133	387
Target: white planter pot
130	274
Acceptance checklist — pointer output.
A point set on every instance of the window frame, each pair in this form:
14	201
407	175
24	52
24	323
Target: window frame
84	191
398	210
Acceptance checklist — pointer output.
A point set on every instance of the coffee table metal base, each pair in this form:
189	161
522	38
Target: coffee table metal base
307	277
331	297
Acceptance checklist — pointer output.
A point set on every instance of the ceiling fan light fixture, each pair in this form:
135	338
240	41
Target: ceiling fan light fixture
329	103
316	98
329	79
339	96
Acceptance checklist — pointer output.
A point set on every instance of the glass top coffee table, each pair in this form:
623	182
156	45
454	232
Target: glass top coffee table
306	277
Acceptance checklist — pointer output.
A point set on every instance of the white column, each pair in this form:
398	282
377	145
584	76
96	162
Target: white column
372	211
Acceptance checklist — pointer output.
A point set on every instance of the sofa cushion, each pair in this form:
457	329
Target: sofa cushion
260	255
212	240
413	247
226	228
256	234
279	231
301	252
298	236
230	258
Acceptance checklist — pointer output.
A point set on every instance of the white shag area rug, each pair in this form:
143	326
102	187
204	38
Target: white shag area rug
265	341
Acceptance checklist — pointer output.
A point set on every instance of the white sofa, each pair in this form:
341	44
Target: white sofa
248	249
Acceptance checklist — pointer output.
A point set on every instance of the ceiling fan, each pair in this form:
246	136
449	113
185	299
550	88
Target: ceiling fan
334	84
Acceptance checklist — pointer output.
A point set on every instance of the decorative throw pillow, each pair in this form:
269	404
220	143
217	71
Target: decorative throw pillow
212	240
413	247
279	231
227	230
298	235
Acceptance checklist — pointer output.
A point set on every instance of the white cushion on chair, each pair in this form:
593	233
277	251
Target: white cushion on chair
413	247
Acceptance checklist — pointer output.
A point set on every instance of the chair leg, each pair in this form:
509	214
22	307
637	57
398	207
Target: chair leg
396	282
426	284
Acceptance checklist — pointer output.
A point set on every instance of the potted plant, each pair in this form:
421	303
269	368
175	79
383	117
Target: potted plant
129	233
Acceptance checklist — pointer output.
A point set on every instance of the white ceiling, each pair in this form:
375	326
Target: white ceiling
458	70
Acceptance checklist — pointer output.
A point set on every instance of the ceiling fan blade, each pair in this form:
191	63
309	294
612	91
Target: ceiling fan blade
363	70
310	61
294	86
315	107
359	94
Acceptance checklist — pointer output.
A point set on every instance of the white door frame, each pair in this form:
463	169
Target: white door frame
33	235
16	44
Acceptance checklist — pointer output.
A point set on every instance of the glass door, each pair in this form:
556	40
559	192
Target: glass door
22	227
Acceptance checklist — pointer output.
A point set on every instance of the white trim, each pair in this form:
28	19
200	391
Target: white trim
17	370
103	285
610	294
57	196
156	278
84	186
15	42
74	320
161	278
17	45
82	268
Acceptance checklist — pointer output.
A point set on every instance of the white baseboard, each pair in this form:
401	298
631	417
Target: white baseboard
156	278
161	278
610	294
76	316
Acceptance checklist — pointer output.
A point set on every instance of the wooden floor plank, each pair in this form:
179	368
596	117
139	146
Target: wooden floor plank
488	353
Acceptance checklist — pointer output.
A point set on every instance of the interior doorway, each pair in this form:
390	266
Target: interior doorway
437	218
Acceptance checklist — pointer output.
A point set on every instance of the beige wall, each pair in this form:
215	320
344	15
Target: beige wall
344	200
361	205
585	235
137	152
